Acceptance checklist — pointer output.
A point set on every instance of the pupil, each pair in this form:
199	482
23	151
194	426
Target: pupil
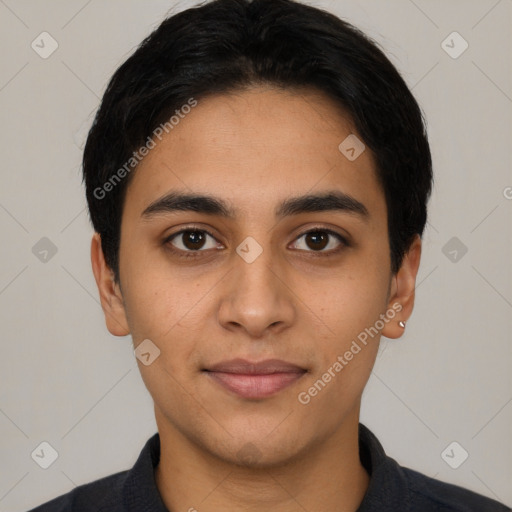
195	239
316	236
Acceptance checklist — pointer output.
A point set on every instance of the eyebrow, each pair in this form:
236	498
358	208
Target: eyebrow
333	200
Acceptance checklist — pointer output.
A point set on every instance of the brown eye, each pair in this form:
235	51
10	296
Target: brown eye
191	240
317	240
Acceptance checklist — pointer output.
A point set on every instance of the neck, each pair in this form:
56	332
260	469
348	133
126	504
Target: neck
326	476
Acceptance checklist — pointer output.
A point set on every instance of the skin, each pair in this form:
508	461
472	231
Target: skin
253	149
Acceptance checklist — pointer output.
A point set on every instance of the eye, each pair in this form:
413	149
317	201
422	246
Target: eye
190	240
318	239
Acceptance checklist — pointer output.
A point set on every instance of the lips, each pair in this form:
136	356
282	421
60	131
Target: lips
242	366
255	379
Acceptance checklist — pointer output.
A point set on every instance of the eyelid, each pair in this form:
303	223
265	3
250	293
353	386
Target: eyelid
335	234
186	229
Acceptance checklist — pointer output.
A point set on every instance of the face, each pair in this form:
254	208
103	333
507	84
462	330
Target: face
296	281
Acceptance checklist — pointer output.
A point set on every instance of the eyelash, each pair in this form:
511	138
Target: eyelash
194	254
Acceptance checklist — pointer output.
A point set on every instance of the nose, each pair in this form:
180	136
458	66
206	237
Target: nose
257	297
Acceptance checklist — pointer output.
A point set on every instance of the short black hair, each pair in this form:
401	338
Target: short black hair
225	46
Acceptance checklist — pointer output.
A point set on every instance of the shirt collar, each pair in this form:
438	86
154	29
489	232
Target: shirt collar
140	491
387	490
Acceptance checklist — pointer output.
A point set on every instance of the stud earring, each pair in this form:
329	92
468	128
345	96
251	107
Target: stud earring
401	324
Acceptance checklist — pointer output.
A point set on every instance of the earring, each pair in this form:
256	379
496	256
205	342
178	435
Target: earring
401	324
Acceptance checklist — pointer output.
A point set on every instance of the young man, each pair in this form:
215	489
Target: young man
257	176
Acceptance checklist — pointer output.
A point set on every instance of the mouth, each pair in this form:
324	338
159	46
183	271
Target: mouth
254	380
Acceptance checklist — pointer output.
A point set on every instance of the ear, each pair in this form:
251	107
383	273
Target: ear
110	292
402	290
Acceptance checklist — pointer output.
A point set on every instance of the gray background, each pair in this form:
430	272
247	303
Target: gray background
65	380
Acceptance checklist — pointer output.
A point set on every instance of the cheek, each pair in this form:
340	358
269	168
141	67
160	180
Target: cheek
155	297
171	309
346	354
352	298
350	304
163	311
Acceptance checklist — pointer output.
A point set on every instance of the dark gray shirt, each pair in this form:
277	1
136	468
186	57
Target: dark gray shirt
392	488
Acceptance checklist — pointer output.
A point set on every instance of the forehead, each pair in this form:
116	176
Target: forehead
254	148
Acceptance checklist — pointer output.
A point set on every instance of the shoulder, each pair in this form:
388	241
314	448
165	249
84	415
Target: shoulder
118	492
102	495
443	497
394	487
